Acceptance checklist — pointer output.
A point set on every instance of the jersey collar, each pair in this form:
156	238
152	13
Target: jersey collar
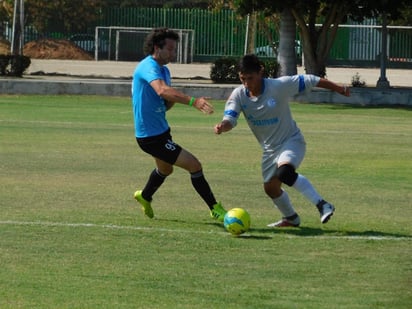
261	92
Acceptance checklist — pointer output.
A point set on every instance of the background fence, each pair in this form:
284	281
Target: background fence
216	34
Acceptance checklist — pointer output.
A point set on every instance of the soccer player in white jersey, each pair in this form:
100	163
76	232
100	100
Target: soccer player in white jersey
152	96
265	105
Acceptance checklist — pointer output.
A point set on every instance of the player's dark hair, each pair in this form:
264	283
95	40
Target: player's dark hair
157	37
250	64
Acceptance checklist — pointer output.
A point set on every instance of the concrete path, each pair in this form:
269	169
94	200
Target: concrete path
199	72
110	78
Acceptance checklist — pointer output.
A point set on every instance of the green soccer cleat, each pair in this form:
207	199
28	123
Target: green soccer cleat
218	212
146	205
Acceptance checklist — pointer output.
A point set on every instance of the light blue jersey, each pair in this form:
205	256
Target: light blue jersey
149	109
268	115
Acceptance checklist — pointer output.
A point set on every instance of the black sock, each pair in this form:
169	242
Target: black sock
155	181
202	188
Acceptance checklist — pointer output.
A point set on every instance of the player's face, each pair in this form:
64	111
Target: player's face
252	81
167	53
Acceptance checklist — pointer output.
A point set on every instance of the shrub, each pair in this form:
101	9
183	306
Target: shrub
4	62
225	70
271	68
13	65
357	81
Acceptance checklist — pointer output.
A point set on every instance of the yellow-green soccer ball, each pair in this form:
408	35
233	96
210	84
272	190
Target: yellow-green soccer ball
237	221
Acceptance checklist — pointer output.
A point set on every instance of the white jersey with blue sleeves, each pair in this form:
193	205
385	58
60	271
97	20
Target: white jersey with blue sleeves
269	115
149	109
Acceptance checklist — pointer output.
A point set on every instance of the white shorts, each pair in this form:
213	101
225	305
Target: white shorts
291	152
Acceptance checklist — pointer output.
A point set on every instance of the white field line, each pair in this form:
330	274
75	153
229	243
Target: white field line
157	229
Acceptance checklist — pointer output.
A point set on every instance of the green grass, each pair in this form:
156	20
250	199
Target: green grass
71	235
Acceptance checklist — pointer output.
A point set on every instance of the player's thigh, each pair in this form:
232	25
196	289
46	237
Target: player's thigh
188	161
161	147
293	153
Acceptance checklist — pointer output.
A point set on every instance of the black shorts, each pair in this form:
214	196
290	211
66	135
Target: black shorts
161	147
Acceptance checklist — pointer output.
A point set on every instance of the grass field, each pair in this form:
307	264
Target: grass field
71	235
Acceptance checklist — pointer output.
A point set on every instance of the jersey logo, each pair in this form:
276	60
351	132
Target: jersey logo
262	122
271	102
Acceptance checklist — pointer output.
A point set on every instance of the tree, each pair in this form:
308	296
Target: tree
6	14
287	43
406	18
317	40
58	15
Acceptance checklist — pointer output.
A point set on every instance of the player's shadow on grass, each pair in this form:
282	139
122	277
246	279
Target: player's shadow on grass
302	231
311	232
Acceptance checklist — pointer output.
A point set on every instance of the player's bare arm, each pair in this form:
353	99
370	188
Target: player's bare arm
327	84
171	95
223	126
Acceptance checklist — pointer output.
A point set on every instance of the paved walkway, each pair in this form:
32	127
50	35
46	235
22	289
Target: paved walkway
110	78
199	72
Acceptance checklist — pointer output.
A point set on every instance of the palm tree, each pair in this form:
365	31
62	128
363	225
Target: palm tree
286	51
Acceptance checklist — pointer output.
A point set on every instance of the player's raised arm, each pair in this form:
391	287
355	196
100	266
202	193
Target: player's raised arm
171	94
327	84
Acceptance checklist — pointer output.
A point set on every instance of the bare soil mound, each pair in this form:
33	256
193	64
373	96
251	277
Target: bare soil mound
4	47
55	49
49	49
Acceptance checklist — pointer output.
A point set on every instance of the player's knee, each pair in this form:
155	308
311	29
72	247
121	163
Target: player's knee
286	174
273	188
165	170
195	165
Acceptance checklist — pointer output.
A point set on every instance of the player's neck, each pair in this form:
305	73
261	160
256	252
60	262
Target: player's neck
255	91
159	61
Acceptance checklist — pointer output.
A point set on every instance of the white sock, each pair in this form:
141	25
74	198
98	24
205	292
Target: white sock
303	185
283	204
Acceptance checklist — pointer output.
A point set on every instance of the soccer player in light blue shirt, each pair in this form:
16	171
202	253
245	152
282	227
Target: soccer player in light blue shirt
265	104
152	96
148	71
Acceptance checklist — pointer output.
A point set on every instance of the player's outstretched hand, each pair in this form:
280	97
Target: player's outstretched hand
223	126
345	91
218	128
203	105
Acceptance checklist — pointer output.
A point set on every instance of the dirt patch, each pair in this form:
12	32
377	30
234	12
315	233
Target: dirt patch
4	47
55	49
49	49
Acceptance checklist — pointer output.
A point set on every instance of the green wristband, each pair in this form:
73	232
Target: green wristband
192	100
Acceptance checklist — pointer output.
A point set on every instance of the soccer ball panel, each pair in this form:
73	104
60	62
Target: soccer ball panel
237	221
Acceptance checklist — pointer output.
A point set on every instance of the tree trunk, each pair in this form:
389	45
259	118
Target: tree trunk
251	33
317	42
287	44
312	63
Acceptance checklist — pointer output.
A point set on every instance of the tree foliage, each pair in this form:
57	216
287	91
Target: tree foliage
56	15
318	40
74	15
61	15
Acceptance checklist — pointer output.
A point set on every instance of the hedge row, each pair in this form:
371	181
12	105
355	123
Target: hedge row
225	70
13	65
